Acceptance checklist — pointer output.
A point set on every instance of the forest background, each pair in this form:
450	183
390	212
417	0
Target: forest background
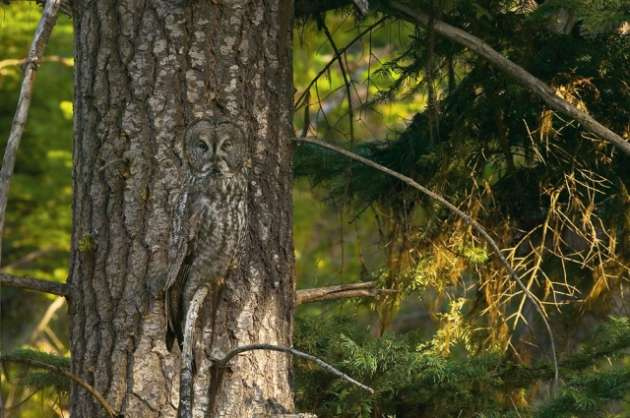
450	335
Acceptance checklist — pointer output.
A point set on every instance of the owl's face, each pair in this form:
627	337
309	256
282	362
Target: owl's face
215	148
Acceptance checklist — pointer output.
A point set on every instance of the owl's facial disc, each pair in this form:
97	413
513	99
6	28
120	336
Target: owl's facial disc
215	149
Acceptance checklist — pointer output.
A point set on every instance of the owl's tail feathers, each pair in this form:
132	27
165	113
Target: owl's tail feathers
170	338
172	334
174	329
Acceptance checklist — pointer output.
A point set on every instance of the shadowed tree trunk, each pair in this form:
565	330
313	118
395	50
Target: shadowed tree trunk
145	70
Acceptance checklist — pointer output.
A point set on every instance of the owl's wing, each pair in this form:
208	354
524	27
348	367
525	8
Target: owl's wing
181	262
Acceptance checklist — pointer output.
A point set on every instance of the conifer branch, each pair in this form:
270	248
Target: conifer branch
467	218
58	369
40	39
30	283
535	85
238	350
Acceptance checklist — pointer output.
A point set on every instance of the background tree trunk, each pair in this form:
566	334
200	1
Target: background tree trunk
145	71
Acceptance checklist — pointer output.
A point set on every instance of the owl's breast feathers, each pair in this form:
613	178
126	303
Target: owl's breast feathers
213	230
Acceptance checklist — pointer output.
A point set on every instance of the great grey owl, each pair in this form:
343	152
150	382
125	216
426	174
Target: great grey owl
210	216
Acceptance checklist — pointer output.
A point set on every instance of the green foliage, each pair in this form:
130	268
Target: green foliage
492	149
594	16
413	380
36	377
589	394
36	239
40	380
42	357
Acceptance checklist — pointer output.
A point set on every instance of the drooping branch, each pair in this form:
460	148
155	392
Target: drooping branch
344	291
60	370
40	39
238	350
516	71
30	283
469	220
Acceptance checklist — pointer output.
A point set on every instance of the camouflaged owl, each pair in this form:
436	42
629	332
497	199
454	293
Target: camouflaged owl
210	216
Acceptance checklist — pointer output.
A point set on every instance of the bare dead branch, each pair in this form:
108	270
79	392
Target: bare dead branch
466	218
519	73
238	350
321	72
42	33
186	374
344	291
68	62
57	369
30	283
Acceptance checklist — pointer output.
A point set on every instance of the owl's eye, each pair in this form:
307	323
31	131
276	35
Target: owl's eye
227	145
202	146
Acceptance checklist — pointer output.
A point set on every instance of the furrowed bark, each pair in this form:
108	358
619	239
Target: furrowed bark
144	72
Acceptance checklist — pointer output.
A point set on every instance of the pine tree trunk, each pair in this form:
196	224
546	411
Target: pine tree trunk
145	70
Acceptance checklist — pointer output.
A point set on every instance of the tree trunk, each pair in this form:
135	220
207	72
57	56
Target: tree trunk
144	72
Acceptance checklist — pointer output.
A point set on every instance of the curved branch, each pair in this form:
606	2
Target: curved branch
30	283
238	350
517	72
481	230
76	379
40	39
186	370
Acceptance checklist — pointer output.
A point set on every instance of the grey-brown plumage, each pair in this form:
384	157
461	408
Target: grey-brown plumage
210	216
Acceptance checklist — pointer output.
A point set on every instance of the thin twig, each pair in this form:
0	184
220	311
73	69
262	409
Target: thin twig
42	33
30	283
186	374
229	356
40	364
332	61
344	291
486	236
535	85
48	315
346	81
